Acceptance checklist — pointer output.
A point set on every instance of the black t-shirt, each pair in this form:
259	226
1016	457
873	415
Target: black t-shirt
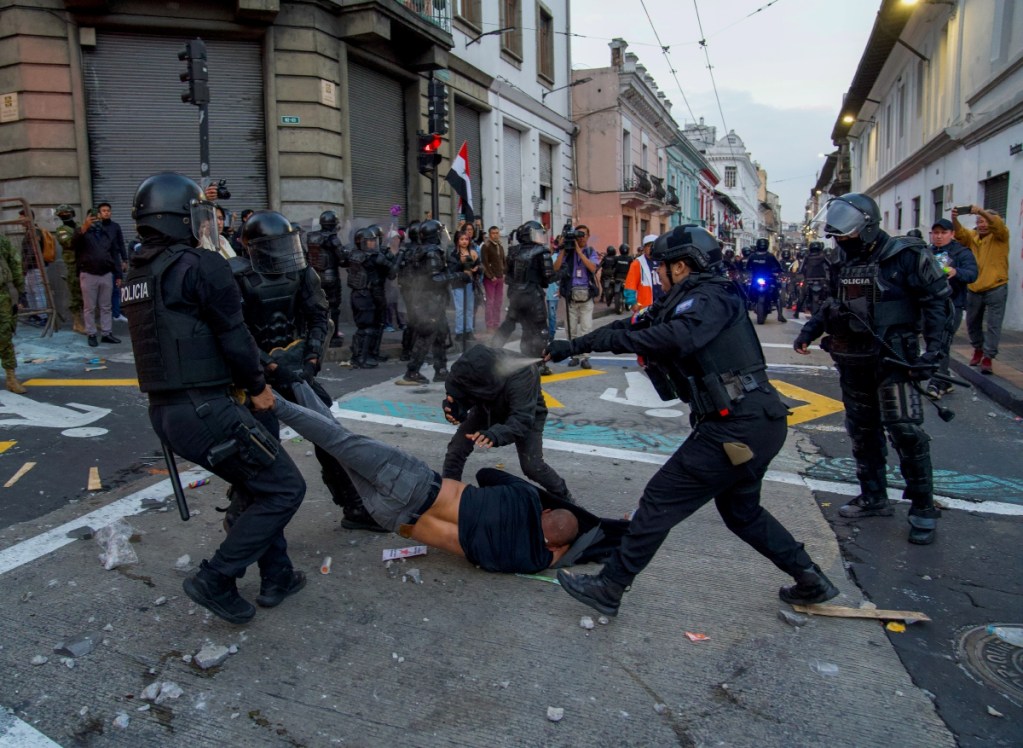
499	529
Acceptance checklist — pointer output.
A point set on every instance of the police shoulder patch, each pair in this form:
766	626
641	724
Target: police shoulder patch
683	307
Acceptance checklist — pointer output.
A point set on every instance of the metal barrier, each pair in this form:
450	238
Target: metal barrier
36	303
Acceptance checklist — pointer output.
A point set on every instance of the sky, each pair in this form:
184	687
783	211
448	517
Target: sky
780	72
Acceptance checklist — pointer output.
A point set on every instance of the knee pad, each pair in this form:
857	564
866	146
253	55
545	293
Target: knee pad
909	440
900	404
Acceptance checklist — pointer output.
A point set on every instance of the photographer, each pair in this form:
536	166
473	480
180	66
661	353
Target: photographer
578	283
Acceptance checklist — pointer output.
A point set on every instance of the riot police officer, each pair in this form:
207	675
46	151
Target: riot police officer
286	312
816	272
607	274
407	286
385	268
886	287
530	270
191	346
699	345
762	264
432	277
368	268
65	233
325	258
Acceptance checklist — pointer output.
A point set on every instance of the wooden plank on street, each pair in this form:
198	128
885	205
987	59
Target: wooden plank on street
837	611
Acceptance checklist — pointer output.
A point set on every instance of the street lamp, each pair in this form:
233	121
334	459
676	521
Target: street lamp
545	94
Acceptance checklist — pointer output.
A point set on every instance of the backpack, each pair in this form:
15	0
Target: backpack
49	246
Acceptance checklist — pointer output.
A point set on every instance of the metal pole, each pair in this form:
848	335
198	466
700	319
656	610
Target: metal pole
204	145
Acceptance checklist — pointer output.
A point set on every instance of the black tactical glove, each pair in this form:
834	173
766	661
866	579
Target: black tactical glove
559	350
310	369
925	366
800	341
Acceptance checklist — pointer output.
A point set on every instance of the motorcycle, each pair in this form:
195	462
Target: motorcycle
816	293
761	296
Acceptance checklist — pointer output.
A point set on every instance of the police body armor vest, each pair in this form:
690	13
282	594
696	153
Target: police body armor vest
319	260
271	307
358	274
870	298
622	265
715	378
528	266
173	351
815	267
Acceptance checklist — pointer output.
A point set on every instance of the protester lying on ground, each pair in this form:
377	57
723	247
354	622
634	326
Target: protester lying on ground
505	524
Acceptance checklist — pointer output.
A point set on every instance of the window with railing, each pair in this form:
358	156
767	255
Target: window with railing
511	18
545	43
437	12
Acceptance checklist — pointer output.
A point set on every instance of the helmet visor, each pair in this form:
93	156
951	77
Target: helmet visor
275	255
839	218
203	220
538	236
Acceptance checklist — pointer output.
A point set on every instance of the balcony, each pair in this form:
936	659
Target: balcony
672	198
417	31
658	188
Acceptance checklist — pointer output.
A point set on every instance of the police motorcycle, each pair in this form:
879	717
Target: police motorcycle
761	293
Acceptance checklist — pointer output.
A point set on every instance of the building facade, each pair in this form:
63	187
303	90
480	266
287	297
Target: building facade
314	105
935	120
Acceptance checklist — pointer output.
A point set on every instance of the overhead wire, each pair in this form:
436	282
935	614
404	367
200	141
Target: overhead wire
667	58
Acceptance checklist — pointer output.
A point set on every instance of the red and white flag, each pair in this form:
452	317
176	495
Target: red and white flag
458	178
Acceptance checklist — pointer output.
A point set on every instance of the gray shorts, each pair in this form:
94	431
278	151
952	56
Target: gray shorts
396	488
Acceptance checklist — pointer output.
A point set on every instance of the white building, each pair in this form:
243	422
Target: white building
935	119
739	179
512	105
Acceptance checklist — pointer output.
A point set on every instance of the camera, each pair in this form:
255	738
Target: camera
569	234
964	210
222	192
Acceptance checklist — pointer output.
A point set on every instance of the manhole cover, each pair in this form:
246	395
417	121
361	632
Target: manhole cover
995	662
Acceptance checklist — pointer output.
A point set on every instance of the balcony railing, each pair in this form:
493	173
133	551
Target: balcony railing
658	188
672	198
437	12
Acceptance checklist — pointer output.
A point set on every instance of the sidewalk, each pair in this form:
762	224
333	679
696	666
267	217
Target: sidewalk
1005	386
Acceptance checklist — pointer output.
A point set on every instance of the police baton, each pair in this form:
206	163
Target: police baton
172	469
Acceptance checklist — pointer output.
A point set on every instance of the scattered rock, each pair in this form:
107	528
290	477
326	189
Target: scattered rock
69	662
184	563
233	649
150	692
555	713
143	708
109	627
81	533
926	577
168	690
40	660
80	645
603	621
865	605
186	658
792	619
211	655
994	712
26	597
586	623
412	575
161	600
121	721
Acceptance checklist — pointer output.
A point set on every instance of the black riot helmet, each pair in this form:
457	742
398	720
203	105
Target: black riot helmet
746	251
430	231
610	251
816	248
378	232
729	254
172	206
623	249
786	254
762	245
366	239
274	245
852	213
915	233
693	244
531	232
328	221
412	232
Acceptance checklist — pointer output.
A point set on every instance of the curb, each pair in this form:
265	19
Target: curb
993	386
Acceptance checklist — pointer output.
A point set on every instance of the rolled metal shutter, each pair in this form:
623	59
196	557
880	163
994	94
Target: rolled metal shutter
376	117
512	167
996	193
467	129
138	125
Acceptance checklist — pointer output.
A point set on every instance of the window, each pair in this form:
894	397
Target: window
511	17
545	44
1002	36
902	111
996	193
916	212
643	161
888	127
938	201
627	229
730	174
898	216
885	220
921	80
471	11
644	228
626	154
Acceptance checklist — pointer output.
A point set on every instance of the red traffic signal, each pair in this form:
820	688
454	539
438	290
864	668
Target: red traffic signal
429	152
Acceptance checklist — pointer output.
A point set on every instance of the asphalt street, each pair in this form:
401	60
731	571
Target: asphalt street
470	658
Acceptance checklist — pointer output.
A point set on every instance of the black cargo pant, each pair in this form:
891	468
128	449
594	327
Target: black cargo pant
529	447
527	306
192	427
698	472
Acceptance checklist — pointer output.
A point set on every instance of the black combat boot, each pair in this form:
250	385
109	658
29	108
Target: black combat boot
273	589
412	378
373	347
923	525
811	587
357	518
440	375
596	590
219	595
360	351
863	506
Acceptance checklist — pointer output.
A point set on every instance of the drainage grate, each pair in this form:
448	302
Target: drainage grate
995	662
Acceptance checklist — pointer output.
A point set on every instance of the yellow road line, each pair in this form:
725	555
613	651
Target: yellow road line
4	446
817	406
553	402
81	383
17	476
94	481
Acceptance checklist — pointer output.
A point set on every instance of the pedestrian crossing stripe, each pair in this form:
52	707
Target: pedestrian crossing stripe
817	406
552	402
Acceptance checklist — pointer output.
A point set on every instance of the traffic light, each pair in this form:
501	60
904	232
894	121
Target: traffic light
429	152
437	107
196	75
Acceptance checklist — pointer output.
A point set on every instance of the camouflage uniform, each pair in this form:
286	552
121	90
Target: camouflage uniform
65	233
10	275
